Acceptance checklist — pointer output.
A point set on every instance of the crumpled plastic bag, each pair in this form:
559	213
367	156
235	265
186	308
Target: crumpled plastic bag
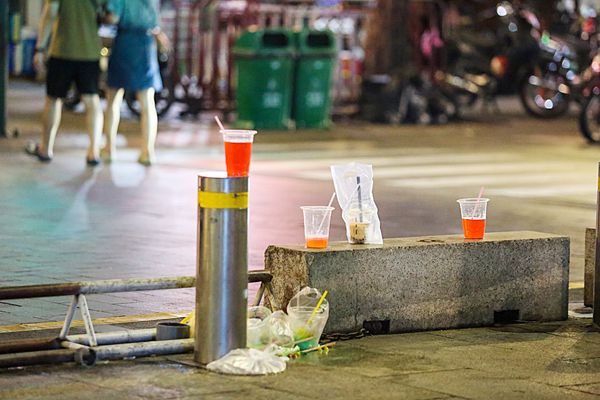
281	331
249	362
354	190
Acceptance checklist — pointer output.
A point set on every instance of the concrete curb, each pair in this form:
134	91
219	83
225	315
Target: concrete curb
436	282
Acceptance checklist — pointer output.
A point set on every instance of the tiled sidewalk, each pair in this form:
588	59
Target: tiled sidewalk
527	361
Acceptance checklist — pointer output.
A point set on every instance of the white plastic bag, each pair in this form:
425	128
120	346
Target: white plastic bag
249	362
280	330
354	189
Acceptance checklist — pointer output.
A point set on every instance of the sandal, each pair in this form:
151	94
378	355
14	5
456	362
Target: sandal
92	162
33	149
146	160
106	156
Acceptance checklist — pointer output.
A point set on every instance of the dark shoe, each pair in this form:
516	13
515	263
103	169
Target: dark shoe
33	149
146	160
92	162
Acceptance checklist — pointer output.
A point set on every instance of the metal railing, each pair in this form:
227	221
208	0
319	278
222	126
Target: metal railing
89	348
204	32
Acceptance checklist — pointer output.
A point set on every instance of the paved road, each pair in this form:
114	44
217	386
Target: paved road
65	221
533	361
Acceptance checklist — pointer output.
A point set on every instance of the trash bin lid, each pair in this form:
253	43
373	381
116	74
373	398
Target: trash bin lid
316	42
264	42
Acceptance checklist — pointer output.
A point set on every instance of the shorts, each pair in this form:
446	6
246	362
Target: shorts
62	73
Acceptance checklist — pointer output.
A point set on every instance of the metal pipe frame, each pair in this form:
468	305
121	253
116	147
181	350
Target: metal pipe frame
91	355
91	347
112	286
37	357
104	338
119	337
28	345
69	352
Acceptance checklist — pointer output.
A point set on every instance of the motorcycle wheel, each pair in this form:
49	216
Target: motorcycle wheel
589	119
543	101
163	100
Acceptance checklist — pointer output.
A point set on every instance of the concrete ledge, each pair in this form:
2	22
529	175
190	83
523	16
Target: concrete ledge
588	269
435	282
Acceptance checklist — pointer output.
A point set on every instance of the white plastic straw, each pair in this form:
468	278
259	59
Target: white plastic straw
219	123
331	200
325	215
477	203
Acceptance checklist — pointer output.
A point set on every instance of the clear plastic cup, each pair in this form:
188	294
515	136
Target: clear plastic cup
258	333
360	225
238	150
473	212
307	331
316	226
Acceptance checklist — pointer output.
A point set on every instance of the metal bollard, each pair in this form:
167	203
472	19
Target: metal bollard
222	267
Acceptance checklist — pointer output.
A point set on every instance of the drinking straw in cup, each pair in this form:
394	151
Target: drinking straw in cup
473	212
238	149
316	226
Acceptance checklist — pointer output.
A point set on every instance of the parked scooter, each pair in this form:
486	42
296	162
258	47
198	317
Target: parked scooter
589	117
550	84
551	74
520	58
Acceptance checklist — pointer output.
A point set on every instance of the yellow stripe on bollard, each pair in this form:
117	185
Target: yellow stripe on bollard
223	200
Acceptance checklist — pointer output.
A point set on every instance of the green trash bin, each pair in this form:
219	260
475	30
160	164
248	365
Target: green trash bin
264	61
314	70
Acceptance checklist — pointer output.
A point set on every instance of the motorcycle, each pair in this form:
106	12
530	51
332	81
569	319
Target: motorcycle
550	84
520	58
550	77
589	117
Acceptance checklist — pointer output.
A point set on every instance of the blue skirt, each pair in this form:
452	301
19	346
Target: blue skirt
133	63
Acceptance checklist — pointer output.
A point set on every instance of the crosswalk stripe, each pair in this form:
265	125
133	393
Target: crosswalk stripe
435	171
503	174
471	169
480	180
380	161
545	191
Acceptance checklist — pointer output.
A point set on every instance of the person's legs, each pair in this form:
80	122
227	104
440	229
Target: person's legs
94	120
58	79
149	125
114	98
86	77
50	123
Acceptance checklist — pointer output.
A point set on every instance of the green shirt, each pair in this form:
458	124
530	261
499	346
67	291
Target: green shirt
75	30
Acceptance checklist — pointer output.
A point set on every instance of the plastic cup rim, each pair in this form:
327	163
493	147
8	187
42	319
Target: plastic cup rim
317	208
308	310
473	200
238	135
238	131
